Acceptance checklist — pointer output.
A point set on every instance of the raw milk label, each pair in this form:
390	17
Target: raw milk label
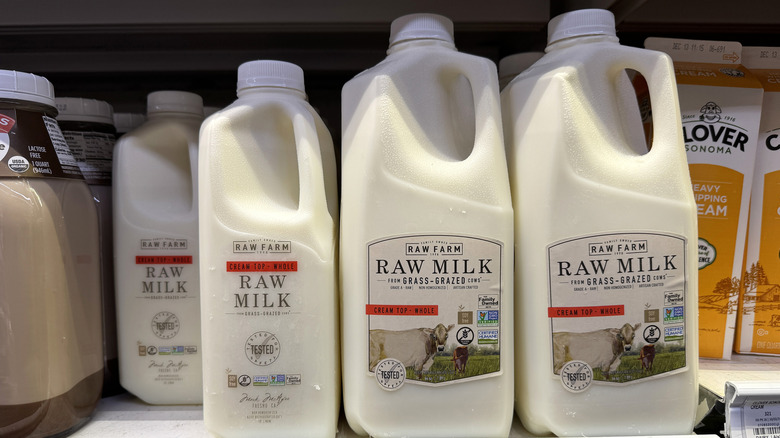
167	274
263	291
617	306
27	151
433	309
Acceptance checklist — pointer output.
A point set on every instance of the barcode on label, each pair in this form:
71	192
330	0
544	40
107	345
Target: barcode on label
766	431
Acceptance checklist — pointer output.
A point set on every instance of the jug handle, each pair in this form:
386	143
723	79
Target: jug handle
487	106
658	70
311	179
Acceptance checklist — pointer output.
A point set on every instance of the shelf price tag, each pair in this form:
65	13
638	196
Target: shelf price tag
752	409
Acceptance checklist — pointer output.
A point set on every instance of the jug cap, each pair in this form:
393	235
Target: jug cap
26	86
84	110
266	73
421	26
581	22
126	122
174	101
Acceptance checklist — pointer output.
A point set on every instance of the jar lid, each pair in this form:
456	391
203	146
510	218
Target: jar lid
27	87
126	122
77	109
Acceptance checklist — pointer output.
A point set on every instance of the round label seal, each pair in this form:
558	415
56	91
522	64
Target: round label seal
262	348
576	376
390	374
165	325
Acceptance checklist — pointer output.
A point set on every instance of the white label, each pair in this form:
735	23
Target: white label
434	305
69	164
761	419
617	303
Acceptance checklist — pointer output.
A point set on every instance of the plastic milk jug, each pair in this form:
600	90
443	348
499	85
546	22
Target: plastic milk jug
88	127
268	219
606	242
51	343
156	252
426	242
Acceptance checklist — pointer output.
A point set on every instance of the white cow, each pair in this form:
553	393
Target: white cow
414	347
599	349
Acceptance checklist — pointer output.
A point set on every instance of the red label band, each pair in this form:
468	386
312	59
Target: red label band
287	266
6	123
163	260
586	311
401	310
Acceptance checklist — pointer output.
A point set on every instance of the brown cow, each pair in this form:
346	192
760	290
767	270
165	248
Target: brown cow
459	357
646	356
414	348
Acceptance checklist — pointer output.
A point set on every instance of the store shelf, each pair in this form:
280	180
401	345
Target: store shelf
126	416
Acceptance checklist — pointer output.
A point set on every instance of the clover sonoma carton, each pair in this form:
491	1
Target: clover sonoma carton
720	103
51	343
758	330
156	252
605	232
426	242
268	221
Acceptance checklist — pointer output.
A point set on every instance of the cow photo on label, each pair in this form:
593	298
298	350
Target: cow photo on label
601	349
414	348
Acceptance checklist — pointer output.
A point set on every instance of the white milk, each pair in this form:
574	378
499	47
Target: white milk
720	105
268	215
156	252
426	242
88	127
758	330
51	344
512	65
601	230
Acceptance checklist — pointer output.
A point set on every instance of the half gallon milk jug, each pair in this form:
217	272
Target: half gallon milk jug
606	242
268	244
88	127
51	343
156	252
426	242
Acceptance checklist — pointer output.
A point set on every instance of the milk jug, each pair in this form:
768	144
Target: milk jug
268	215
51	344
605	270
88	127
426	242
156	252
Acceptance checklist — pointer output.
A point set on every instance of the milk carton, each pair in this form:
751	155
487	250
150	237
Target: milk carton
605	241
720	102
758	330
156	252
268	220
426	242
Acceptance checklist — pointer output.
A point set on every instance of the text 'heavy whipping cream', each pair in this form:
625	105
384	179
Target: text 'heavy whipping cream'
156	252
426	242
758	329
720	104
51	344
268	215
88	127
606	241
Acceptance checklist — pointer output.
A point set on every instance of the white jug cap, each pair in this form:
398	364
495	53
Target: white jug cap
581	23
26	86
174	101
421	26
266	73
126	122
78	109
513	65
